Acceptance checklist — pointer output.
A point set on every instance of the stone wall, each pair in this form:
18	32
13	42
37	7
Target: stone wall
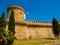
20	31
26	31
40	32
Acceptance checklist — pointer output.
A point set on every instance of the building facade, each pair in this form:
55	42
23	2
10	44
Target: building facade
28	29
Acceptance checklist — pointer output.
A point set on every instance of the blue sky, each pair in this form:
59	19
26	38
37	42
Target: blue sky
41	10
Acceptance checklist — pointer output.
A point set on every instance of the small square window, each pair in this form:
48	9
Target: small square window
20	12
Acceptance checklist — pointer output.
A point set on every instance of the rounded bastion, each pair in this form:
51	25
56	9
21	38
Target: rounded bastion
18	13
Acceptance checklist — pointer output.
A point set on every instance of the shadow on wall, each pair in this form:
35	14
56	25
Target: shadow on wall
30	36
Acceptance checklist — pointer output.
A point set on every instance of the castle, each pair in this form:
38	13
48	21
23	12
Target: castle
28	29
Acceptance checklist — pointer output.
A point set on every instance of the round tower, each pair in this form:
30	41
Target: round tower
18	13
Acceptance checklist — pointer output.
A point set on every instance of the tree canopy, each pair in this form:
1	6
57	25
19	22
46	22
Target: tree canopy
11	26
55	26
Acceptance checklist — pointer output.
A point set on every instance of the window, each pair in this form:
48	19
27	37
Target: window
20	12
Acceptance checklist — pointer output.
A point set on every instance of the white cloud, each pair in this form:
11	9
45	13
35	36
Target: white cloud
24	16
27	12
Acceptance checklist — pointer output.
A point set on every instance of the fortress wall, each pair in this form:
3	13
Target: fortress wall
23	31
20	31
31	32
45	32
40	32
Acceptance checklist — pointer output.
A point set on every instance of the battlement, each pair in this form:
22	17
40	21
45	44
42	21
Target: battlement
39	23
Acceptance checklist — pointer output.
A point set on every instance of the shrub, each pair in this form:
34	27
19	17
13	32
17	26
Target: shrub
10	38
6	37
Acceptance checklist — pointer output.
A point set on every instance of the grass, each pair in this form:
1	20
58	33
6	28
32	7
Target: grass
32	41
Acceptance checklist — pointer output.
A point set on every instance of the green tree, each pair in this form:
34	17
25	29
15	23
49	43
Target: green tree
6	37
2	21
3	35
11	26
59	30
10	38
55	26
